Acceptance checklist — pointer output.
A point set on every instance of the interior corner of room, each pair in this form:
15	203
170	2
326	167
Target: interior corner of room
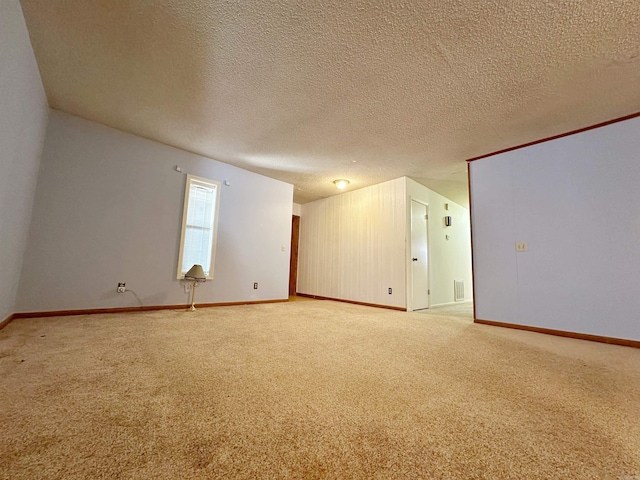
86	206
319	239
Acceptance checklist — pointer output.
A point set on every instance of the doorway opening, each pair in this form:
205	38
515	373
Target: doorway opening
293	260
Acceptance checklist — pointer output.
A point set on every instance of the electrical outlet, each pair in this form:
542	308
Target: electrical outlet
521	246
390	290
255	286
121	287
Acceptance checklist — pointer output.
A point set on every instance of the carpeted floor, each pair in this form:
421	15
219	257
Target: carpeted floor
311	389
462	310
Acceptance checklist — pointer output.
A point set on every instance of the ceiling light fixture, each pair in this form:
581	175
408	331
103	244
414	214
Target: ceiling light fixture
341	183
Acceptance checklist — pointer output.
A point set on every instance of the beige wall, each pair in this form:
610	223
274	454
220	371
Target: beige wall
352	246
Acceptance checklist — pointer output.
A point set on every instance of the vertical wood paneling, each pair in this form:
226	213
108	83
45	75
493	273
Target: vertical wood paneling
352	246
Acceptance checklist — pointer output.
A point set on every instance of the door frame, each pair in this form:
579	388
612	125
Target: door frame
409	255
293	256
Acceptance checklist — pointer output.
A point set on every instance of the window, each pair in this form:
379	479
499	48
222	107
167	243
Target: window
199	225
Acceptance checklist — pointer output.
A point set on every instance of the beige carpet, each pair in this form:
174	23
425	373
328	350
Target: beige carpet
311	389
461	309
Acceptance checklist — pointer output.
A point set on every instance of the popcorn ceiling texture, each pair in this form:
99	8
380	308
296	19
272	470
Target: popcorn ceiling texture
307	92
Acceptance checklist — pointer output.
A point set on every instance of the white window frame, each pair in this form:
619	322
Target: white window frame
195	180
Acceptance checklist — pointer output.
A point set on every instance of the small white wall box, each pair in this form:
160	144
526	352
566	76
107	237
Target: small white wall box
447	221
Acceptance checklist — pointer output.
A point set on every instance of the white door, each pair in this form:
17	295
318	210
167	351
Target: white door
419	256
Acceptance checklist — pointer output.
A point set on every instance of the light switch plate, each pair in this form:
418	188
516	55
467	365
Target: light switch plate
521	246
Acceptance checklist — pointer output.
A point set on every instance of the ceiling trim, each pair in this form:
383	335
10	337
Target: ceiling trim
555	137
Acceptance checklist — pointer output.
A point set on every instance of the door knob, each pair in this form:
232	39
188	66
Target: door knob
415	259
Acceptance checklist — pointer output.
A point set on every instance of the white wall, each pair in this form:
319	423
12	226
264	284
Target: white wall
108	209
575	200
23	121
356	245
352	245
450	259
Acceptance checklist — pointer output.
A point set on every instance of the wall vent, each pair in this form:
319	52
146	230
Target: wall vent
458	290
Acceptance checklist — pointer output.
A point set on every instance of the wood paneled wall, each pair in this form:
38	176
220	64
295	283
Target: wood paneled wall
352	246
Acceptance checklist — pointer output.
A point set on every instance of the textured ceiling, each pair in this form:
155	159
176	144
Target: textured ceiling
308	92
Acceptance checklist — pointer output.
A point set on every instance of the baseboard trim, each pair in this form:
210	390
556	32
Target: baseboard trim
7	321
232	304
561	333
93	311
318	297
